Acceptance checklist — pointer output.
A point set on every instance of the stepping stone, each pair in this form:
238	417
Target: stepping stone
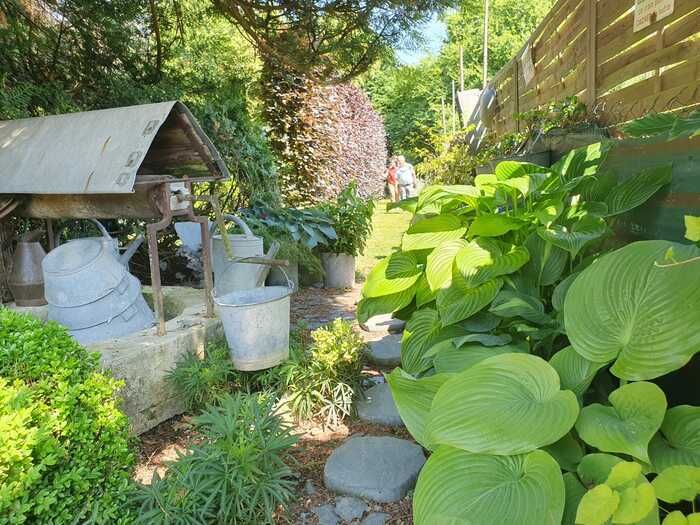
381	469
385	352
326	515
349	508
384	323
378	406
376	518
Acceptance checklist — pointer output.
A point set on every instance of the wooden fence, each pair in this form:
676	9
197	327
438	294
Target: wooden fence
589	48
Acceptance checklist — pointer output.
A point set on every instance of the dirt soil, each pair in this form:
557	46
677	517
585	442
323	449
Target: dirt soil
316	306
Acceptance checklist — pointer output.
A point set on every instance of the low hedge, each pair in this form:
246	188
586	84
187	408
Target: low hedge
65	450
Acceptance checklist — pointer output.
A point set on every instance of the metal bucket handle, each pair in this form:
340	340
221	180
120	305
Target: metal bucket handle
97	223
239	222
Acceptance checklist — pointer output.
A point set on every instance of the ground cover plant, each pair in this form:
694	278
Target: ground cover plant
532	347
320	380
239	472
65	454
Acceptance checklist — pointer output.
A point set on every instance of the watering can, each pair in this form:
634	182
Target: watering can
26	281
85	270
230	276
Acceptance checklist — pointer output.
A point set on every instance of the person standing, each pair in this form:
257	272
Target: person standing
391	179
406	177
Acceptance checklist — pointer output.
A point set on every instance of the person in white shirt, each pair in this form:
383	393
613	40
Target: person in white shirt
406	176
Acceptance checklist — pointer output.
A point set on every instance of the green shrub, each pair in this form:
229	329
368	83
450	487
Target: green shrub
323	379
352	220
238	474
65	453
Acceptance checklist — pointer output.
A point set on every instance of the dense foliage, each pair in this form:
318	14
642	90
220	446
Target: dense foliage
352	220
237	473
409	96
320	380
529	350
326	136
65	453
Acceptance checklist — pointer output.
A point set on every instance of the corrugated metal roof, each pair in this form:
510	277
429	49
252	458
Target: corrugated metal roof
96	151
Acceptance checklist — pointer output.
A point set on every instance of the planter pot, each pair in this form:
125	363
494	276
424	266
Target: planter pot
541	158
277	278
339	269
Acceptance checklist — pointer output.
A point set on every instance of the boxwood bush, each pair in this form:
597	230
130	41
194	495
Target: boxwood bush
65	454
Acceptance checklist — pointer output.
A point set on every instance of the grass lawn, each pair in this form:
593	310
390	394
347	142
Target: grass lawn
388	227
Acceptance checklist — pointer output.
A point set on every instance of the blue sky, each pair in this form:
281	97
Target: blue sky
434	32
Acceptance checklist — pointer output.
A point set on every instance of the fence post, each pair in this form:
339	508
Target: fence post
591	57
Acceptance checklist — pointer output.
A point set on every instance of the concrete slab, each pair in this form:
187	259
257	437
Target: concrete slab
381	469
378	406
384	323
385	352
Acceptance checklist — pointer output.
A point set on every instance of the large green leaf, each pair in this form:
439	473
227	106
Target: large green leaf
636	503
413	398
678	483
424	294
594	469
547	262
480	261
386	304
637	189
461	301
673	126
483	339
575	372
628	425
433	231
677	518
506	404
574	238
438	270
509	303
423	331
560	291
548	210
581	162
452	359
597	506
640	312
456	487
678	441
441	195
394	274
493	225
568	452
509	169
692	228
574	492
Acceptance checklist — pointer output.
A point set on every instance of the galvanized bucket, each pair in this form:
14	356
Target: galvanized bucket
256	324
138	316
230	276
84	270
101	311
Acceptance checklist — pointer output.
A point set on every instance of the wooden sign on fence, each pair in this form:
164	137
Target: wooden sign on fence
646	12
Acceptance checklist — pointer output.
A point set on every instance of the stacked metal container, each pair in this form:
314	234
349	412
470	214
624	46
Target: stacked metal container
90	291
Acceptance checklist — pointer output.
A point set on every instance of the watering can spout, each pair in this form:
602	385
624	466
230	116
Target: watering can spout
130	250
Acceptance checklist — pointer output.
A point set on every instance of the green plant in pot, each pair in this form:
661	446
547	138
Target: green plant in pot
352	220
299	233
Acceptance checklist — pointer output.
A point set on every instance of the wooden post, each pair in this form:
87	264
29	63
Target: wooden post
444	116
454	107
486	42
591	57
516	93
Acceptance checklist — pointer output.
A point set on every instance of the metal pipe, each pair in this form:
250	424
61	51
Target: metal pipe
152	231
486	42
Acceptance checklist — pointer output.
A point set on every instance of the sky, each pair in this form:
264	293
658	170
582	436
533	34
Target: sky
434	32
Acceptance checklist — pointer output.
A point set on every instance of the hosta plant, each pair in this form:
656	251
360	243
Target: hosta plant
530	349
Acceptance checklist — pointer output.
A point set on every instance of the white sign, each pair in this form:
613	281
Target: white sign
646	12
527	65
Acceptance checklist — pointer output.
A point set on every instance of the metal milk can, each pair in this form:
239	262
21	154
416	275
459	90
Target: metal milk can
26	280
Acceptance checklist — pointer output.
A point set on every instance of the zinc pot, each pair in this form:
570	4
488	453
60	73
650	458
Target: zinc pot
138	316
256	325
26	280
339	269
102	310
